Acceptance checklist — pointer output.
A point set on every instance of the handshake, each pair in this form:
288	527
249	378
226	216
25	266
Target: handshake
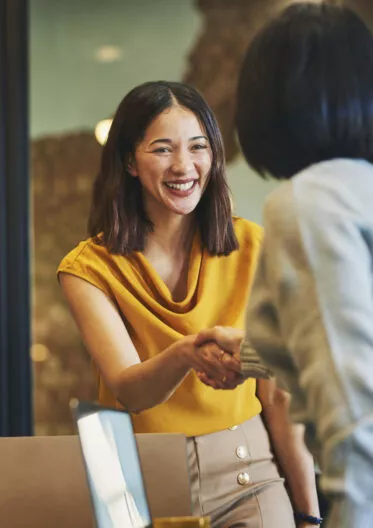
226	358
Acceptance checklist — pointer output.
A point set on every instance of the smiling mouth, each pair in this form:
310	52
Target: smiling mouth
181	186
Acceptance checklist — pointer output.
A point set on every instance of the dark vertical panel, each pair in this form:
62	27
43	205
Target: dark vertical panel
3	260
15	367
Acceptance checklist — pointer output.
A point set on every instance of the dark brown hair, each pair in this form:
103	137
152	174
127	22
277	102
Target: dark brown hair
306	91
117	211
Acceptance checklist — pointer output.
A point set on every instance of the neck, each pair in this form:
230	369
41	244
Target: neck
172	232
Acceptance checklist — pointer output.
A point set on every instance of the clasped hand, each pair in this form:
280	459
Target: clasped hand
219	351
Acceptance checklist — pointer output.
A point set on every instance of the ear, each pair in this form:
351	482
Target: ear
131	166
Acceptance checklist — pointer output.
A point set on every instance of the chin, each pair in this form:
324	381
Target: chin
184	211
182	207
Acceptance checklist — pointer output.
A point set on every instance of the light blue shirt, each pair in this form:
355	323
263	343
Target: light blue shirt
310	318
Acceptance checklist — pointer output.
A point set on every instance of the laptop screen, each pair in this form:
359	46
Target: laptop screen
113	467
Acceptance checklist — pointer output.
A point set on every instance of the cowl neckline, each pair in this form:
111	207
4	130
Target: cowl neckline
157	285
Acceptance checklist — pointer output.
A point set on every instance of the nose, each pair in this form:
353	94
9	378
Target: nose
182	163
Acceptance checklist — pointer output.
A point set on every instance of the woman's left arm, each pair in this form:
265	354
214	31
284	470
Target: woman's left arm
287	441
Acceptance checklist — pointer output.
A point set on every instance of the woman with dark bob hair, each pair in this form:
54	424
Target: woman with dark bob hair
305	115
164	260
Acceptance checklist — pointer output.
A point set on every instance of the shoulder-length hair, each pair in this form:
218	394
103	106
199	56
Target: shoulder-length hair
118	219
305	92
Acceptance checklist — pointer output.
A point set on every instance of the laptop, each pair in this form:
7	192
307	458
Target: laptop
115	472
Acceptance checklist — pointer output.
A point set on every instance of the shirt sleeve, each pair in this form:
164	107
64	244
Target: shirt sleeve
315	290
89	262
251	364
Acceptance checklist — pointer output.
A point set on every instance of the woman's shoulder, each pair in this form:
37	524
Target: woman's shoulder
91	261
88	252
246	230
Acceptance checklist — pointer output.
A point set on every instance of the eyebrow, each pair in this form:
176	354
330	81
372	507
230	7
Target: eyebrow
169	141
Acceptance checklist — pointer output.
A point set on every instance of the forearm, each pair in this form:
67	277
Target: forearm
293	457
138	385
152	382
298	467
144	385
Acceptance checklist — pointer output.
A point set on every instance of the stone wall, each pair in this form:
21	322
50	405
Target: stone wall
214	62
62	172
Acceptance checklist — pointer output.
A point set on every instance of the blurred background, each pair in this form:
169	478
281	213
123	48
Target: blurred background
85	55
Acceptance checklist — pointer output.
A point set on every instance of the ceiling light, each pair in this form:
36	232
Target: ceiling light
108	54
102	130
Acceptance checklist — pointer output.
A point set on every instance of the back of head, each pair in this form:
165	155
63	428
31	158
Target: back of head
305	92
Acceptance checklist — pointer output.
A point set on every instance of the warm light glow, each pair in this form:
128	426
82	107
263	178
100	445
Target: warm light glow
39	353
102	130
108	54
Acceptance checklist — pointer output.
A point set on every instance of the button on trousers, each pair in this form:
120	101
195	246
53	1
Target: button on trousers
235	480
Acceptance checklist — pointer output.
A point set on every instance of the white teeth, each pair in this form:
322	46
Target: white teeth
181	186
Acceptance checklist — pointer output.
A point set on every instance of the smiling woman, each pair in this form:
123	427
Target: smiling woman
165	260
155	139
173	163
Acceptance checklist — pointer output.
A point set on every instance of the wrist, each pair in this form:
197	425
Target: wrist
182	352
303	519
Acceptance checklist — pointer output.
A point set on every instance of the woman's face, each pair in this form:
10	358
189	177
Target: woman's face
173	162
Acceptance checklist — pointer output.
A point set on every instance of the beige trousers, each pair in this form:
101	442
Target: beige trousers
235	481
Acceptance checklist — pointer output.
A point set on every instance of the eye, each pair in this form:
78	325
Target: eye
199	146
162	150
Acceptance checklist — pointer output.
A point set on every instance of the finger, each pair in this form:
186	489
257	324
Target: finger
223	384
218	373
212	350
229	384
203	377
211	356
226	384
204	361
217	370
207	381
216	363
204	336
215	383
231	363
227	338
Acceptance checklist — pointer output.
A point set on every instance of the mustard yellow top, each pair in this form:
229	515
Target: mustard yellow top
217	294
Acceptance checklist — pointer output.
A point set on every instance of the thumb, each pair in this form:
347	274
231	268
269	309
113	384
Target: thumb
204	336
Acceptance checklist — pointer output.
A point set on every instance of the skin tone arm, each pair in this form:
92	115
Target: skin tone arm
287	439
137	385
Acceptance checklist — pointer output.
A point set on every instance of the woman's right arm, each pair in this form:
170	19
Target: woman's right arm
137	385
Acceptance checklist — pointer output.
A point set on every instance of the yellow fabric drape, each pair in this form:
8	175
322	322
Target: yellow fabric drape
217	294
